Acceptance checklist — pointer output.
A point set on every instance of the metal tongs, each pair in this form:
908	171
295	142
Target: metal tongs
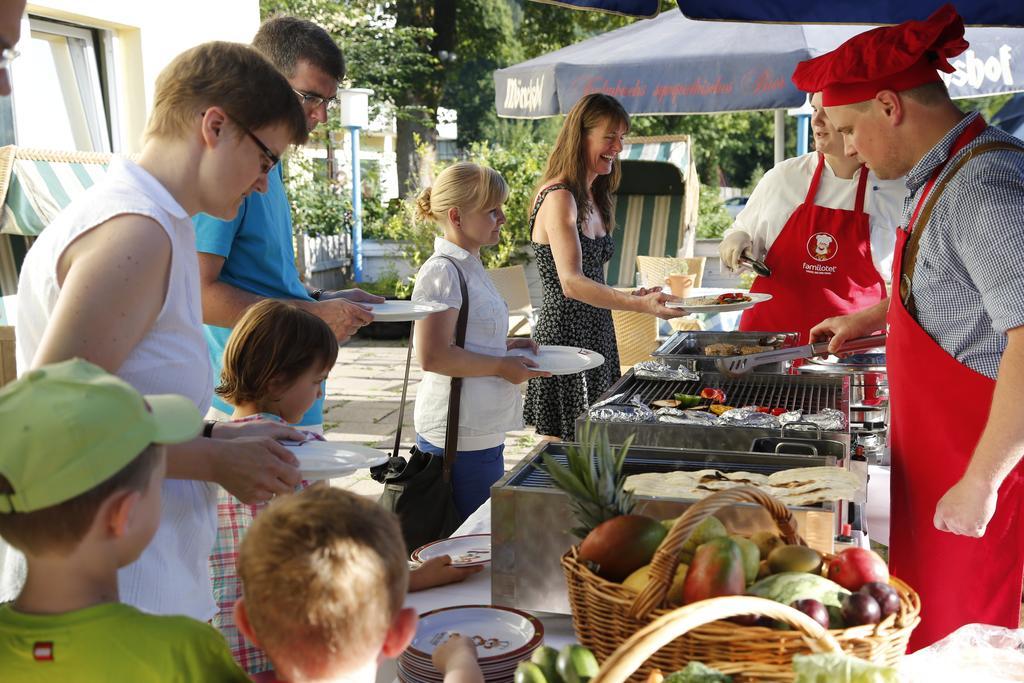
759	267
735	366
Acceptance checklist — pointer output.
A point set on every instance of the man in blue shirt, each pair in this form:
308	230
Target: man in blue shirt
252	257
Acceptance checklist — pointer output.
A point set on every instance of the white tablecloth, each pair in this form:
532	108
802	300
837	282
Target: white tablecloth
476	590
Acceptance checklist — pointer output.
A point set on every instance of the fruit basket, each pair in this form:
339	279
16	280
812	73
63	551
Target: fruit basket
606	614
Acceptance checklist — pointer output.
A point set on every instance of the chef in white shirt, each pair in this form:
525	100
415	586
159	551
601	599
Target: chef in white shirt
825	226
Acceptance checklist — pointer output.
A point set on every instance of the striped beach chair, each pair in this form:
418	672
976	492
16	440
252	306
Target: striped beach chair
656	204
34	186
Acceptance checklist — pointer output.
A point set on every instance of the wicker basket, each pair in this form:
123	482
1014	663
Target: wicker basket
606	615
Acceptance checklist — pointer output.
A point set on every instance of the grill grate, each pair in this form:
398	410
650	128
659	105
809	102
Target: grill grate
792	392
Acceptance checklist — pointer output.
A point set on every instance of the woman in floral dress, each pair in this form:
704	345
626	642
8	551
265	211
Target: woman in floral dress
571	225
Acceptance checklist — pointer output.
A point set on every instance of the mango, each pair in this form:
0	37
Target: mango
766	542
794	558
638	580
621	545
710	528
751	557
717	570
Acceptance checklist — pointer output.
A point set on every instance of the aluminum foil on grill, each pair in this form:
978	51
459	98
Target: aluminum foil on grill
621	408
686	417
748	417
828	420
657	370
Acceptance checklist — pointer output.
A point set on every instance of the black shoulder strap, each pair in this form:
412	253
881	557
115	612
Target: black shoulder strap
451	437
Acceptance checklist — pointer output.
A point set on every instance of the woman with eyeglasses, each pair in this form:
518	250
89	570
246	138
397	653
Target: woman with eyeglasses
114	280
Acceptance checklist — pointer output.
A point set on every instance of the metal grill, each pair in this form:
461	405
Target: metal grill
792	392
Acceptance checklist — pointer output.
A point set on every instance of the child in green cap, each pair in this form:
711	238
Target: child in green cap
80	476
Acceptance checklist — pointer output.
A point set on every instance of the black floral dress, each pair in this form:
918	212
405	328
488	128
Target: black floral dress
554	403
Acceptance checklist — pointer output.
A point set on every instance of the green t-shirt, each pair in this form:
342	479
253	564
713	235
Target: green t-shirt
111	642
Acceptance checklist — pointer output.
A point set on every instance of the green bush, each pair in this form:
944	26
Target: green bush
319	204
712	218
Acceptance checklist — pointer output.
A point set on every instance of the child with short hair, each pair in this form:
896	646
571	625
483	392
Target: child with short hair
275	364
80	495
324	576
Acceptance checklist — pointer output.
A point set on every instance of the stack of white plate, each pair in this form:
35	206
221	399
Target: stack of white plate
503	636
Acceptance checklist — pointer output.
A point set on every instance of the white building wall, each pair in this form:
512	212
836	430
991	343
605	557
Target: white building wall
148	34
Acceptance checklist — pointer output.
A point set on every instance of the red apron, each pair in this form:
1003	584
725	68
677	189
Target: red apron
821	266
939	409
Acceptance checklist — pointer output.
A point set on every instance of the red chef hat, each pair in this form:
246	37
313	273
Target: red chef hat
886	58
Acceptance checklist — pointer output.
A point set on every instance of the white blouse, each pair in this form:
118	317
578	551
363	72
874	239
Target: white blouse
784	188
490	406
172	575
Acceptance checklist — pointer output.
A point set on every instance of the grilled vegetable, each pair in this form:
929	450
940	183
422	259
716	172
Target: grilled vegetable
687	400
713	395
732	298
718	408
667	403
593	480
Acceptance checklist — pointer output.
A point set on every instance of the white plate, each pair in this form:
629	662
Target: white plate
465	551
500	633
705	304
562	360
326	459
403	311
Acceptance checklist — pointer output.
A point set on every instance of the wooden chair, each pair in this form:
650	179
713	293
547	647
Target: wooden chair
511	284
656	268
8	365
636	336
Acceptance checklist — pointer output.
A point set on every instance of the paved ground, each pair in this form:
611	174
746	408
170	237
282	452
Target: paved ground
364	392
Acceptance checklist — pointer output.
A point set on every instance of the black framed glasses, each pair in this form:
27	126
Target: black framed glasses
271	160
313	100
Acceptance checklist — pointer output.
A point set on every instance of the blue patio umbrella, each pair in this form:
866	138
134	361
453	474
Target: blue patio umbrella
1010	116
630	8
675	65
974	12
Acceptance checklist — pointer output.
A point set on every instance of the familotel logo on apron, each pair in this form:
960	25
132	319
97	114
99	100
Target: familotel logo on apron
821	247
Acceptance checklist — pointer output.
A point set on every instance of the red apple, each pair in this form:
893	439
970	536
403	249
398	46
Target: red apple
854	567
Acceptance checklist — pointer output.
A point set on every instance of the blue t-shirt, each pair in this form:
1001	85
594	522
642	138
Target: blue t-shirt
259	257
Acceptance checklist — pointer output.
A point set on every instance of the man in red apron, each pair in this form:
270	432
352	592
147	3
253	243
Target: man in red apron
955	321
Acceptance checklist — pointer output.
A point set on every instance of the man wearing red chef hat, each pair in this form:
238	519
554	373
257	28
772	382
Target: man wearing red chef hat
955	318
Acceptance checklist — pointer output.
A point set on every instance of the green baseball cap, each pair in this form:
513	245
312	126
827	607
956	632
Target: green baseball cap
70	426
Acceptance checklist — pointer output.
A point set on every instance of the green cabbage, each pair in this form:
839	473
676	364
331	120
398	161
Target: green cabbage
837	667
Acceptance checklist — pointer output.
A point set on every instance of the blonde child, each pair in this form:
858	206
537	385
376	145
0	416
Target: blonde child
80	473
324	576
275	365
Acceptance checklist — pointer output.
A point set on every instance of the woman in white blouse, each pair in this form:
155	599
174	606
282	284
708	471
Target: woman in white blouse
465	202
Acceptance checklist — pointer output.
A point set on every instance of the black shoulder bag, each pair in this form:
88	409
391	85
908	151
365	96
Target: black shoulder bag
419	490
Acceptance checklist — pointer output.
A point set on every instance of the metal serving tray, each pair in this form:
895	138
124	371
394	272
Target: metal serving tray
530	518
686	347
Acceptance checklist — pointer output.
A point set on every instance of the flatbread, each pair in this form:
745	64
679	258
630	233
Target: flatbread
798	486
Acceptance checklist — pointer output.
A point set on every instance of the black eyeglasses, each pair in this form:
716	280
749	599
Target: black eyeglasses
314	100
271	160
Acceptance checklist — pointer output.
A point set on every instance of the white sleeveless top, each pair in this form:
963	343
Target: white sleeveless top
172	575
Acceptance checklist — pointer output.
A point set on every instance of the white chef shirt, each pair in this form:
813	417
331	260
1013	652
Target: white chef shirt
490	406
784	188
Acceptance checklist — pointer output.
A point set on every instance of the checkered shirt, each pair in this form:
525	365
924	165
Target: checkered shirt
234	519
969	282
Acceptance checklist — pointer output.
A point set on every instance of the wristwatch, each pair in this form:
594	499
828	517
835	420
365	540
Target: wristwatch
316	294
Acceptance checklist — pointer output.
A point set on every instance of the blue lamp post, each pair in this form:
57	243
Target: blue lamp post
803	127
355	115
